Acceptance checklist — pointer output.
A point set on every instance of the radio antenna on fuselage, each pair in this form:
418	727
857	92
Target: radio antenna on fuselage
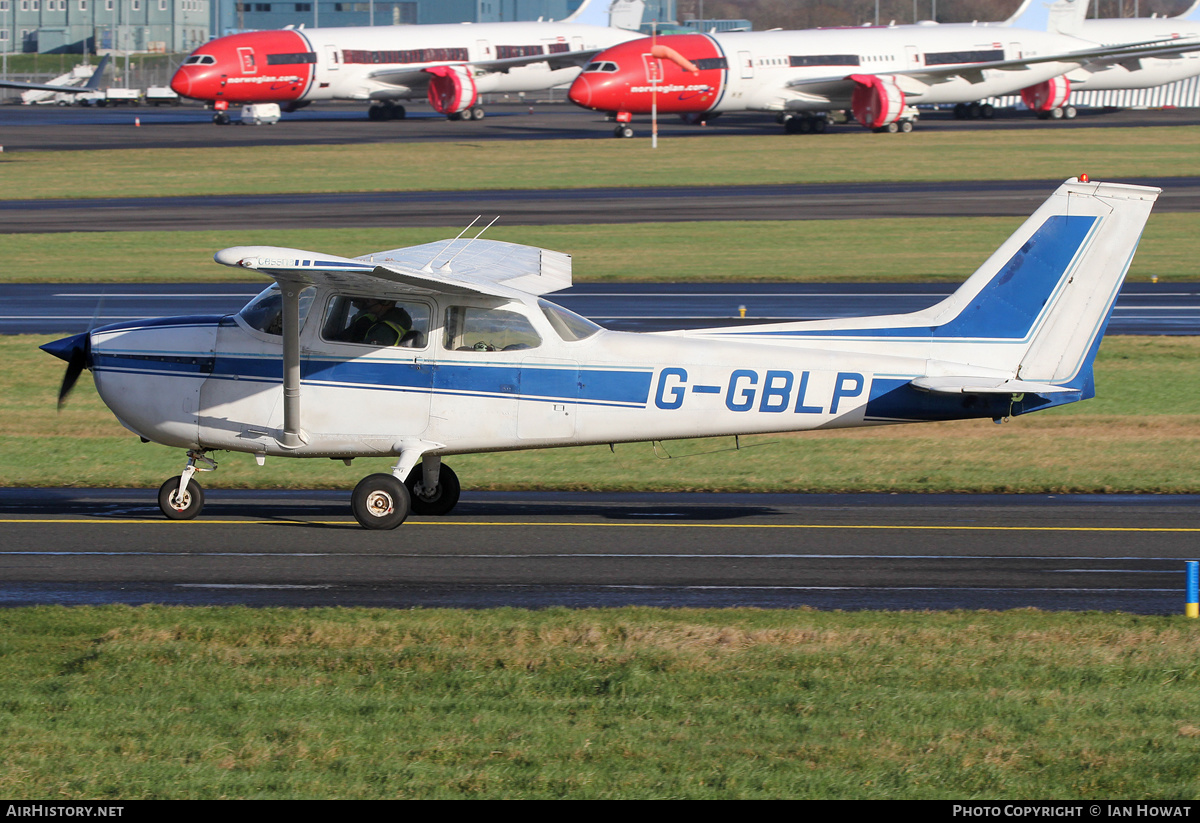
446	266
428	267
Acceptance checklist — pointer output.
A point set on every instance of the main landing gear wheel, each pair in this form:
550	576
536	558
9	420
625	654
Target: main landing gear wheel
221	118
443	498
623	131
180	509
380	501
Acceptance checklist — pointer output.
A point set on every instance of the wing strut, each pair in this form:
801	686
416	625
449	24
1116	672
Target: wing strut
293	436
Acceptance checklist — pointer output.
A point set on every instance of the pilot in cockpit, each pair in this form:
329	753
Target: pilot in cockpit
379	323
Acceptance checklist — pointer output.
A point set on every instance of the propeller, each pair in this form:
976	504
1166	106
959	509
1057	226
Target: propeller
77	351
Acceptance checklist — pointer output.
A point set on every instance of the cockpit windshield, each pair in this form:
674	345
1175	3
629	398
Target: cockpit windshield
605	66
200	60
265	312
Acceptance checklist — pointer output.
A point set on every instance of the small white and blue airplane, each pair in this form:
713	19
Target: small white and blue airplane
449	348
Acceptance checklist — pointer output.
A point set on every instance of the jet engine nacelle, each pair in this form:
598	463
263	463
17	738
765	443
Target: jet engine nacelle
452	89
876	101
1048	95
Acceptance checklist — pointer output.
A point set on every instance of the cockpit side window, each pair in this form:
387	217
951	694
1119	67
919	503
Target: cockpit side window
469	328
265	312
569	325
372	321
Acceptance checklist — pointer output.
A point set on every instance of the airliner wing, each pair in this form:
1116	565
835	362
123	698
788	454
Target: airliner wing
842	86
489	267
418	73
92	84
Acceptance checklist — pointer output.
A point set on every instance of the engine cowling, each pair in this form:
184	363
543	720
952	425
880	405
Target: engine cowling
1048	95
452	89
876	101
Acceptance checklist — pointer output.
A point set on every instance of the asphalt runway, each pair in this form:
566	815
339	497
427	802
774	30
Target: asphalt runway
44	308
668	204
599	550
51	128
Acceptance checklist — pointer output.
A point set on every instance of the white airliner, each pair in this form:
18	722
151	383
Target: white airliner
878	73
449	348
1053	100
449	64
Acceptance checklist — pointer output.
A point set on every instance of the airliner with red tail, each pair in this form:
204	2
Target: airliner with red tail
451	65
879	73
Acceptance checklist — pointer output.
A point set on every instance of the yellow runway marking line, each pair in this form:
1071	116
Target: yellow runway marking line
494	523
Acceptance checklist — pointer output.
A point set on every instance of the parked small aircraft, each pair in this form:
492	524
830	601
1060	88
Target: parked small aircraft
449	348
879	74
93	83
450	64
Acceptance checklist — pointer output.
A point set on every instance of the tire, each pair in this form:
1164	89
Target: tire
380	501
1069	112
193	499
906	126
892	128
478	114
444	498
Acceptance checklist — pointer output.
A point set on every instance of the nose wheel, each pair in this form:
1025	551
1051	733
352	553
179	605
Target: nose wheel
623	131
181	498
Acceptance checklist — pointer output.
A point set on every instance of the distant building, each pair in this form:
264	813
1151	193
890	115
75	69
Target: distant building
75	26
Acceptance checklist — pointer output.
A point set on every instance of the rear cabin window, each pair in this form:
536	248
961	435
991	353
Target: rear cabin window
473	329
371	321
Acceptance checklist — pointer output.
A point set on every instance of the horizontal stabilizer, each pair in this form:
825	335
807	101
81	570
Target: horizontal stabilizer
985	385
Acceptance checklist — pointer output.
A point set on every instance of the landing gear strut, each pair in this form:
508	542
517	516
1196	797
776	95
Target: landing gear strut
181	498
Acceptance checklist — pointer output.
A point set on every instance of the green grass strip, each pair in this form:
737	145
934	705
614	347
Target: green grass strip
201	703
850	155
819	251
1140	434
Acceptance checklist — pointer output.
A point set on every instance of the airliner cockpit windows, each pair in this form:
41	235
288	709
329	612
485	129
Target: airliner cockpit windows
373	321
606	66
265	312
469	328
200	60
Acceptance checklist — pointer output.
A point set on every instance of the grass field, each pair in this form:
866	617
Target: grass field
134	703
1140	434
850	156
820	251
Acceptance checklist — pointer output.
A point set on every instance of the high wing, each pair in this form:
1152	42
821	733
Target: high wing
459	266
92	84
912	81
413	76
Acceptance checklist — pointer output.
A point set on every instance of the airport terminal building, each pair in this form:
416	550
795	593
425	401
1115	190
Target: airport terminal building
178	26
75	26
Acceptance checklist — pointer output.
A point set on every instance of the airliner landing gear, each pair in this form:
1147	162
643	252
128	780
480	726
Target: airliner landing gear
623	131
221	118
974	111
804	124
386	110
468	114
181	498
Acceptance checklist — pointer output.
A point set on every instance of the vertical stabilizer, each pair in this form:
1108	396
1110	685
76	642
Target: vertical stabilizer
1061	17
1064	342
590	13
1191	14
